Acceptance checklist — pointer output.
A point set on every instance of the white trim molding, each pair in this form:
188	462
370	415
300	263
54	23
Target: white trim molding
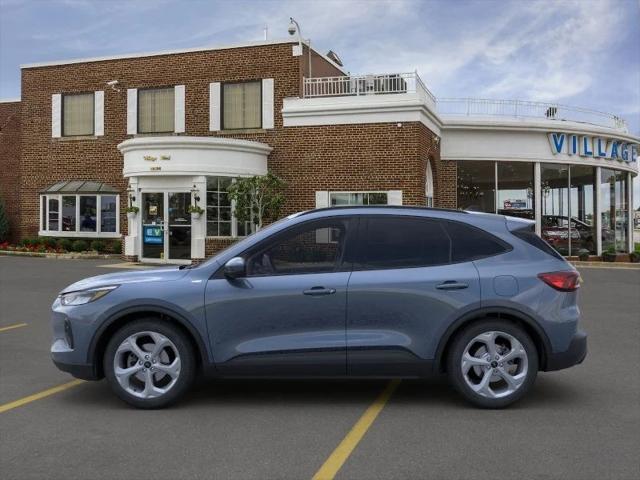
179	109
268	107
214	107
186	155
132	111
98	112
56	115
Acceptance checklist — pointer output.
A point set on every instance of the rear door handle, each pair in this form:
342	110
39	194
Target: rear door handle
452	285
317	291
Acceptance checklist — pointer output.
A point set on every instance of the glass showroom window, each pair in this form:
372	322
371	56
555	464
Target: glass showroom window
477	186
79	215
615	211
221	221
343	199
555	206
515	189
156	110
582	205
77	114
241	105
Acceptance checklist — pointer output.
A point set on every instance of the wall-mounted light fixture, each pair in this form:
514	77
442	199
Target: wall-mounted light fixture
195	193
132	197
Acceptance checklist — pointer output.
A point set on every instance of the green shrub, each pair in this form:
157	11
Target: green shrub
79	246
28	242
65	244
115	246
48	242
98	246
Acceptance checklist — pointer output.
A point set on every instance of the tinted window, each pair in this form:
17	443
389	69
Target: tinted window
395	242
314	248
470	243
528	234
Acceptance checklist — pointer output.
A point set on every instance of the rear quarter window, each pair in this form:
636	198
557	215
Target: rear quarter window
471	243
528	234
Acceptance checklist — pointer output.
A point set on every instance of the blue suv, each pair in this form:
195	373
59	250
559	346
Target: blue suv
340	292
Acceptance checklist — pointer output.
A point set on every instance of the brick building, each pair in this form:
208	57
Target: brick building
166	130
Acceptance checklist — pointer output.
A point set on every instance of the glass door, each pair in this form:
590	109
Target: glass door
179	244
153	215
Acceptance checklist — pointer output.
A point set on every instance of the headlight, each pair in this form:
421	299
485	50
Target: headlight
85	296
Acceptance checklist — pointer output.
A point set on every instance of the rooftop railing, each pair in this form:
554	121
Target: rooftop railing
399	83
526	109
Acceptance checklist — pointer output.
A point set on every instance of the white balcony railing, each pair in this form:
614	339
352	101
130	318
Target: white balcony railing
399	83
527	109
356	85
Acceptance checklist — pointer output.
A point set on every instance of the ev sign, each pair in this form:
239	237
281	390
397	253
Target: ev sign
597	147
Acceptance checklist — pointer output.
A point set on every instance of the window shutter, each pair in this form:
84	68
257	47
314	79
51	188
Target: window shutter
267	103
322	199
214	106
179	109
98	111
132	111
56	115
394	197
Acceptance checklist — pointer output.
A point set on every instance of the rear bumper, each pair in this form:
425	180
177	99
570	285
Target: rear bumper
574	355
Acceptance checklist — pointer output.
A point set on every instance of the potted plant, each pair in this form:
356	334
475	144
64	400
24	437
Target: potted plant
609	255
583	255
635	255
132	211
195	211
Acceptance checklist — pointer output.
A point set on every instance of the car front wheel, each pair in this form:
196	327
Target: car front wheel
492	363
149	363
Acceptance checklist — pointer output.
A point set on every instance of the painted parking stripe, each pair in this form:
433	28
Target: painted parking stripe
342	452
11	327
40	395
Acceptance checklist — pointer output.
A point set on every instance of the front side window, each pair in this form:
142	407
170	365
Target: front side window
78	114
343	199
156	110
403	242
304	250
241	105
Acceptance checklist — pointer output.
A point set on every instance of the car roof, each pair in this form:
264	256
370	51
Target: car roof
365	209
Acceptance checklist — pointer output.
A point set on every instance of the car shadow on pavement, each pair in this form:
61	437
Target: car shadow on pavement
434	392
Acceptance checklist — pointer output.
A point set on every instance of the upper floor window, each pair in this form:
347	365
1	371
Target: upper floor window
156	110
78	114
339	199
242	105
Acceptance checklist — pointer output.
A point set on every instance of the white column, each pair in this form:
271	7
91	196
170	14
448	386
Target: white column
598	219
132	241
630	212
537	182
199	226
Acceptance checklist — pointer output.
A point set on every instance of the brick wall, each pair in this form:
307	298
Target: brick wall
10	162
380	156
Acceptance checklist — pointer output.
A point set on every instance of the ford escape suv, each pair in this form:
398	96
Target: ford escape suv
339	292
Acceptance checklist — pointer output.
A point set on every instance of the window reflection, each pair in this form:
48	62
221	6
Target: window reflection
476	186
515	189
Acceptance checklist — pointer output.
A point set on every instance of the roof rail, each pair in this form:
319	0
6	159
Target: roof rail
384	207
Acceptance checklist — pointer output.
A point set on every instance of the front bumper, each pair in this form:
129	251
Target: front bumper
84	372
574	355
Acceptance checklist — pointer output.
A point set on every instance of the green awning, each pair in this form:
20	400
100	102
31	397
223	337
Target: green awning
80	186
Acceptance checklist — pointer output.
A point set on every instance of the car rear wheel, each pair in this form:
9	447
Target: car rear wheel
149	363
492	363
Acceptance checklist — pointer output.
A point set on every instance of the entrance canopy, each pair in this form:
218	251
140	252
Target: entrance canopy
80	186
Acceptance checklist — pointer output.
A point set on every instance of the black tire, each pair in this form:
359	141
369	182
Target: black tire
456	351
187	362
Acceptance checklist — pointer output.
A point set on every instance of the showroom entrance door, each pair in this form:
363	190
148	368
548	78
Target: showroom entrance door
166	227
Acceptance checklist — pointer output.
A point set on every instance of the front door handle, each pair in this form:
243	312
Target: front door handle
452	285
317	291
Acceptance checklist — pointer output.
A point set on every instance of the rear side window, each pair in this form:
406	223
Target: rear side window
528	234
470	243
402	242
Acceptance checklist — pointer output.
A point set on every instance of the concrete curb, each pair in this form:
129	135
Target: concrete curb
614	265
61	256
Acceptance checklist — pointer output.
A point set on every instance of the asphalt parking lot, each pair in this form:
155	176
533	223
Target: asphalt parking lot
582	423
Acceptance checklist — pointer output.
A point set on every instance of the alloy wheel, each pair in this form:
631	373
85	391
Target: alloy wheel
494	364
147	364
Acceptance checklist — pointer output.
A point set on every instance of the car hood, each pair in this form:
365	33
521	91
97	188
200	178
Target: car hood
156	275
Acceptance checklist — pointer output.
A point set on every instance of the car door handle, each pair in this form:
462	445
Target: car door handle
452	285
317	291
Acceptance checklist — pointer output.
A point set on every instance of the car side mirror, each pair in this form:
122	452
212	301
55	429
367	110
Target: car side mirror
235	268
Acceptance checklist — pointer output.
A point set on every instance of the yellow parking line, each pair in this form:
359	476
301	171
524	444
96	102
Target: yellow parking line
342	452
11	327
37	396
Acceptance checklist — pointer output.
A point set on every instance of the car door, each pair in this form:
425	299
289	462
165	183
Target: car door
287	316
403	293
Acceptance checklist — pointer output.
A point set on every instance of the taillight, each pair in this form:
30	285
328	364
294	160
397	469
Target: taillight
562	281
